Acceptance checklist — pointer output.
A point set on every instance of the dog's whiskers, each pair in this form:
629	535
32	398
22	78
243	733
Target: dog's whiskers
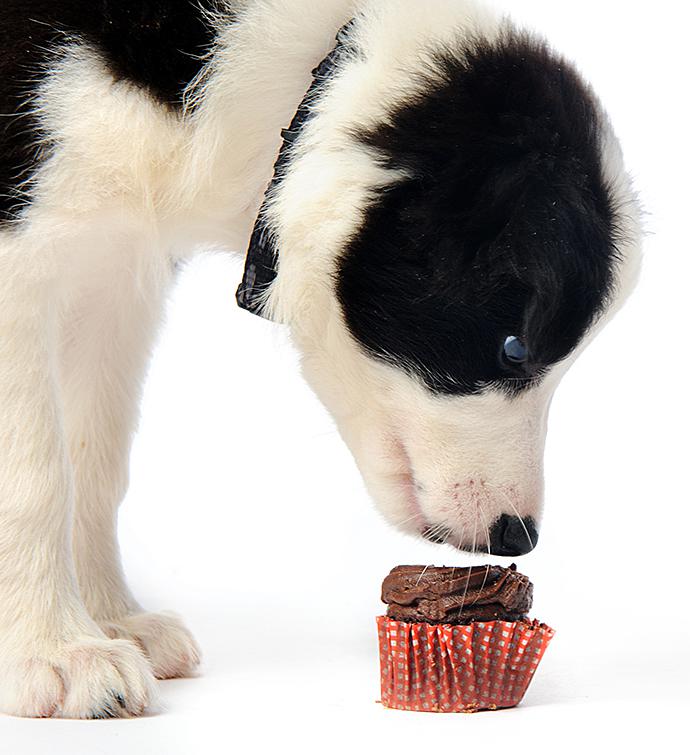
469	573
421	575
435	531
488	545
517	513
417	515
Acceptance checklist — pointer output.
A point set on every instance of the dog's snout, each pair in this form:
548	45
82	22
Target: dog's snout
513	536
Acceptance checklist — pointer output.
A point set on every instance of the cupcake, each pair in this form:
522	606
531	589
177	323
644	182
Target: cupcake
458	639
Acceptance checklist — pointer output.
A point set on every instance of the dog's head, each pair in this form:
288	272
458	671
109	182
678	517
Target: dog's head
453	226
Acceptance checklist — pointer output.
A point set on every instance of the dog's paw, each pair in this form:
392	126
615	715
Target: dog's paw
169	645
93	678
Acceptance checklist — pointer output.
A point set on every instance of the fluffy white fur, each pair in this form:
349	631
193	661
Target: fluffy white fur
129	189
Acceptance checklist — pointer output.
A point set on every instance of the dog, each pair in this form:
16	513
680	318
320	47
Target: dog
433	200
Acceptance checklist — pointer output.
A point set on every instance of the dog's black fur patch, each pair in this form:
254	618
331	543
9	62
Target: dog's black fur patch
156	44
506	226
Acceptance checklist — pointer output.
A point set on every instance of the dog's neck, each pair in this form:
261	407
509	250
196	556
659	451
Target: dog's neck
259	74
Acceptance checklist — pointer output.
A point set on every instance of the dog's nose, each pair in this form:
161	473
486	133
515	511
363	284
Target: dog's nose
513	536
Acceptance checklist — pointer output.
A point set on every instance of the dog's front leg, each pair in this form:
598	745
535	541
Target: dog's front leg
54	659
106	344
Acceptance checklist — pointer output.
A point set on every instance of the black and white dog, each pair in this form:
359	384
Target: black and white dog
448	225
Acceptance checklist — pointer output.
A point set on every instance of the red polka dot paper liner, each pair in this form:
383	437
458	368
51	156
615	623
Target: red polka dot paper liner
446	668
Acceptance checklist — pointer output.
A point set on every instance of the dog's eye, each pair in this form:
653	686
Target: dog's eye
514	350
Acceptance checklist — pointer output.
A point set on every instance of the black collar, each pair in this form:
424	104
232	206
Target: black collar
262	257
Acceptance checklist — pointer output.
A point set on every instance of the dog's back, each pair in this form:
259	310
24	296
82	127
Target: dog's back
157	46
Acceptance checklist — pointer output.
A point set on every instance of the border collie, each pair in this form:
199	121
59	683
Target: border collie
433	201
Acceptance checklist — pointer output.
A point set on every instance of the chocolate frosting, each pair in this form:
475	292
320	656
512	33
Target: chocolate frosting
450	595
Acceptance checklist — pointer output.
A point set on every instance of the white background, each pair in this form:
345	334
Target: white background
246	513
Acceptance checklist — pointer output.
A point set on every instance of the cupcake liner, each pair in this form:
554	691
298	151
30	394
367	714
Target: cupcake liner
447	668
